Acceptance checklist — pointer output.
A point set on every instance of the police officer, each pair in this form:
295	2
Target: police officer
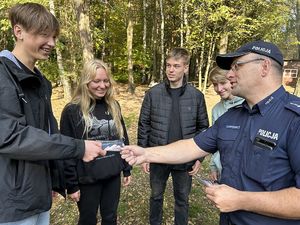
258	142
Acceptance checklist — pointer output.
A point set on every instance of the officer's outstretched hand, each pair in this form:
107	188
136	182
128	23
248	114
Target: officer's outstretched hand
93	149
133	154
226	199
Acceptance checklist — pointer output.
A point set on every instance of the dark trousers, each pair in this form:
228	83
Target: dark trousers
104	194
159	175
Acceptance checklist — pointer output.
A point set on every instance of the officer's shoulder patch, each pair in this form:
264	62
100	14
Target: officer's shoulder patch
294	106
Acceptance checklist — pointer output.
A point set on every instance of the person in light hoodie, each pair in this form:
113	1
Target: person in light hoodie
223	88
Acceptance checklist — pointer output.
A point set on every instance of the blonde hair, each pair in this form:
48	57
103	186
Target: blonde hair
33	17
218	75
87	101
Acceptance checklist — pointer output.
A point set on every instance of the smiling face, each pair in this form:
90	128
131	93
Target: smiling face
31	47
38	46
35	30
99	86
223	88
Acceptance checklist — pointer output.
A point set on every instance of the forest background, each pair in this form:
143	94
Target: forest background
134	36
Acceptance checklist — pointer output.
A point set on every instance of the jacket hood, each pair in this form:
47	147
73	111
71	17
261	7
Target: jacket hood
7	54
15	67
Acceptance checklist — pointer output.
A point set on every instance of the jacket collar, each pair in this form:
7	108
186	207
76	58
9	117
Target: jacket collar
16	68
183	87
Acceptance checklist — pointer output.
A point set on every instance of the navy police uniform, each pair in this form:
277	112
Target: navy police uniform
260	150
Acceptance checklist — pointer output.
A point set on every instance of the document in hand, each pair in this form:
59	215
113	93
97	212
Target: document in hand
112	145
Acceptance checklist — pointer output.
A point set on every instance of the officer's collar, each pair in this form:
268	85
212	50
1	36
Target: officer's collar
264	105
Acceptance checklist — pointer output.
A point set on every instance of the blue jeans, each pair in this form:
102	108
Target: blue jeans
38	219
182	182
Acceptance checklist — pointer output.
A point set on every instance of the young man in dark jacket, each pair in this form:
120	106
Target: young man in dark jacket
171	111
27	139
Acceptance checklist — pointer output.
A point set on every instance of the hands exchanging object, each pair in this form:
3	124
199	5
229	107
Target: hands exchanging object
133	154
226	199
93	149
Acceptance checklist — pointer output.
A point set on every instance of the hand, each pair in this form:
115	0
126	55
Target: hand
75	196
195	168
214	175
133	154
146	167
54	194
226	198
93	149
126	181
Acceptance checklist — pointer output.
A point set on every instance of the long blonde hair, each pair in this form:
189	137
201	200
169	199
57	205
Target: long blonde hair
87	101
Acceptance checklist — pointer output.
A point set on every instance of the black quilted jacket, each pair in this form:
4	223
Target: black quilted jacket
156	114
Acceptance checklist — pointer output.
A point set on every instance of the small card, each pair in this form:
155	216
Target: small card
112	146
203	181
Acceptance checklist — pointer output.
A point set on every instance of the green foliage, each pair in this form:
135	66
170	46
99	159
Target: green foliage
49	69
207	21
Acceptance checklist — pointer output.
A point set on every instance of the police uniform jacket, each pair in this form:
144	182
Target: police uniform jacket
260	150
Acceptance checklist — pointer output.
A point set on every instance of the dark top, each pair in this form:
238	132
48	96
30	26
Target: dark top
156	116
103	128
175	132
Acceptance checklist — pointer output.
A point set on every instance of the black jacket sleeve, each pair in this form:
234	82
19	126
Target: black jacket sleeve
67	127
127	168
24	142
202	118
144	126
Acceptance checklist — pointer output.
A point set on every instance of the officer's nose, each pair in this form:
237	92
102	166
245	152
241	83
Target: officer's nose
230	74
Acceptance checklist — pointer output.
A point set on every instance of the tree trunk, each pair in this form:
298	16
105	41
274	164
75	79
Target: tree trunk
154	73
181	21
131	86
186	23
104	29
297	88
162	43
201	60
64	79
145	76
210	52
83	20
223	44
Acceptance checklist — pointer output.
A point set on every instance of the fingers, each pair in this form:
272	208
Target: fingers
126	181
75	196
132	160
93	149
146	167
192	172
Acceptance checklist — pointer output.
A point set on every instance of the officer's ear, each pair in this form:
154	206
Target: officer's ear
266	67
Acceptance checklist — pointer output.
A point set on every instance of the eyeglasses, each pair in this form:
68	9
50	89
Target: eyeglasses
235	66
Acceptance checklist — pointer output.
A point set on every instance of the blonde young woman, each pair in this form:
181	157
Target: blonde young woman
94	114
